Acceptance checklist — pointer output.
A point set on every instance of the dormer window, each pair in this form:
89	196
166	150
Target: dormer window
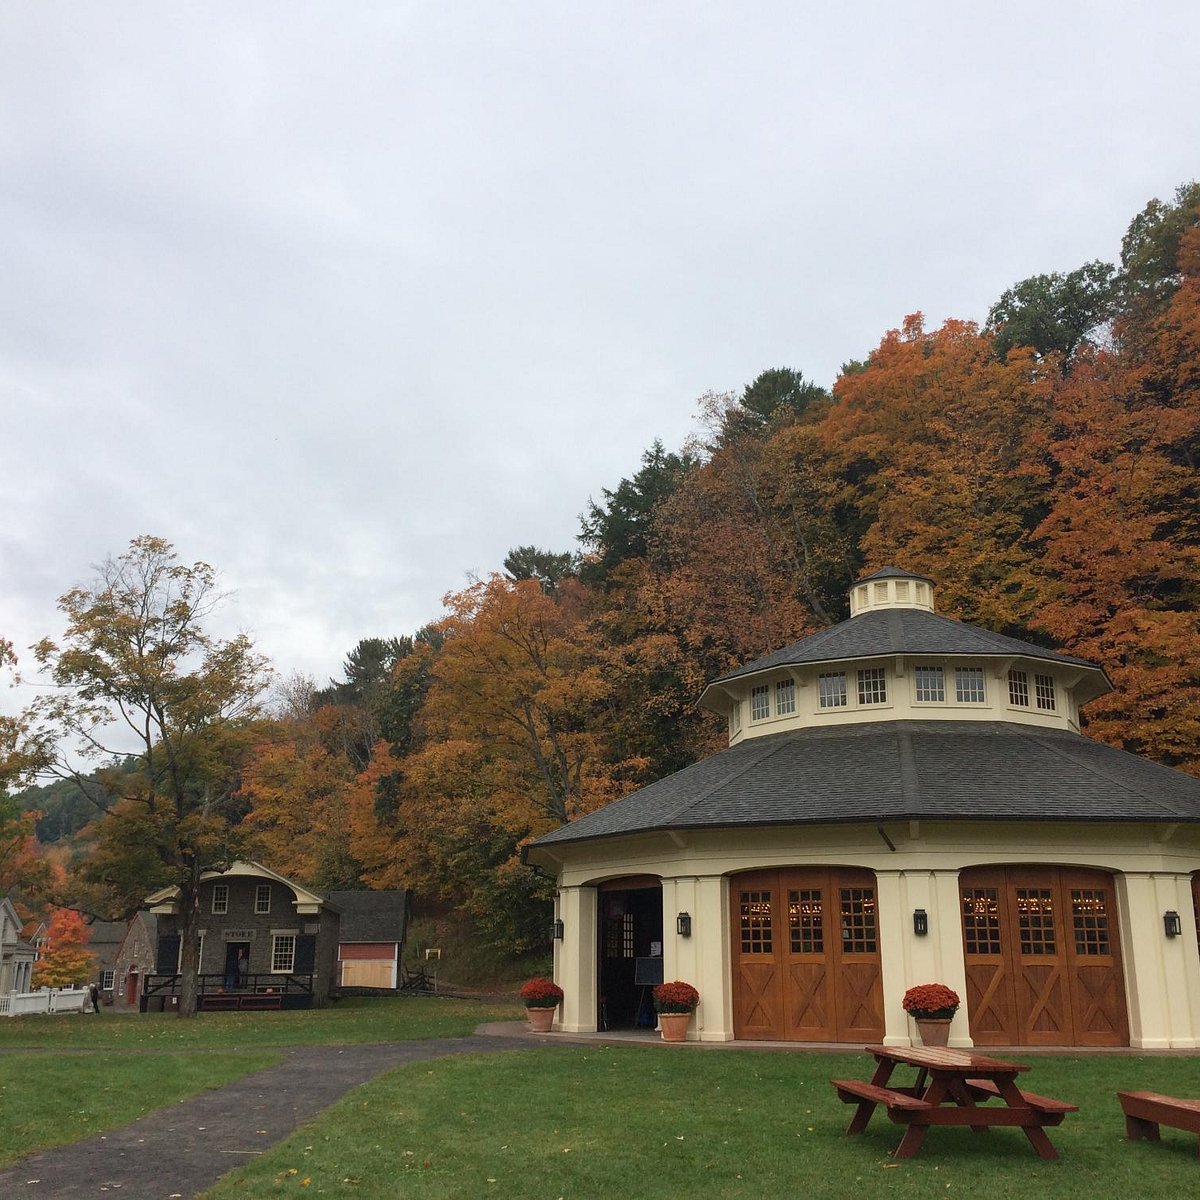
1018	689
1043	690
760	703
872	686
931	685
785	697
968	685
831	689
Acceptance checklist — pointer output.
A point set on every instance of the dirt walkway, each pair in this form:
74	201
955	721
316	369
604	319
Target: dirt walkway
180	1150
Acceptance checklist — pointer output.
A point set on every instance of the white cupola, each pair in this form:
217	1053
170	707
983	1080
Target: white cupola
890	587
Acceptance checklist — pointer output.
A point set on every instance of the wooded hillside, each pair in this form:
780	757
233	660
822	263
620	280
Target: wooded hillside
1041	468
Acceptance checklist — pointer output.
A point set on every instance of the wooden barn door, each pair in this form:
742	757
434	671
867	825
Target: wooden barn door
1043	962
806	956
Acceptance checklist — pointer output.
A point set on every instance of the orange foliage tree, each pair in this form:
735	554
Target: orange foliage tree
66	959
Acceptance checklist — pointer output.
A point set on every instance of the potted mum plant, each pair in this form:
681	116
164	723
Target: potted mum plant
541	996
675	1002
932	1006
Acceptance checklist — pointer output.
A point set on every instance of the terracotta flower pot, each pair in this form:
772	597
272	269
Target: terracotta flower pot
541	1020
934	1031
674	1026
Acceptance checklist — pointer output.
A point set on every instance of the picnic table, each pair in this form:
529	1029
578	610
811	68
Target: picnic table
952	1087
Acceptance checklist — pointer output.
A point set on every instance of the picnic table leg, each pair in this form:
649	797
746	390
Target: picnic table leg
1035	1132
914	1135
963	1098
862	1114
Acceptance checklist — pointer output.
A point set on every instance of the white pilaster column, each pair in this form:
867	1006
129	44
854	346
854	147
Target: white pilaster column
711	951
907	959
575	958
1162	975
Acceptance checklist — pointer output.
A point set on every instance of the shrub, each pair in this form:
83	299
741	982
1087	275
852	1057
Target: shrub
675	997
541	993
931	1001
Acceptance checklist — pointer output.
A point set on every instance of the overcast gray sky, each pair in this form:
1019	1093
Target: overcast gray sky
348	299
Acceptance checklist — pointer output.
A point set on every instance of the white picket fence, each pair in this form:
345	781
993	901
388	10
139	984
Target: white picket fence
47	1000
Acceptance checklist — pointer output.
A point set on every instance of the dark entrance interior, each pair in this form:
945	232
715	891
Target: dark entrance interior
235	977
631	929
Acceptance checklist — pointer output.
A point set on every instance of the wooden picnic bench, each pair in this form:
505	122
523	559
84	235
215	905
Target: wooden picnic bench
952	1088
1146	1111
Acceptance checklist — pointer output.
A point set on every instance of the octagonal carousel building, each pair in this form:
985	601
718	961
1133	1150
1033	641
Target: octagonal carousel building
904	799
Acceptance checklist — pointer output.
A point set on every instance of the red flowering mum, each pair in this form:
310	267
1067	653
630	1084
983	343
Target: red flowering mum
541	993
931	1001
675	997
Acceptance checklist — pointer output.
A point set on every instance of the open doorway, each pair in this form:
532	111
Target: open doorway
237	965
631	934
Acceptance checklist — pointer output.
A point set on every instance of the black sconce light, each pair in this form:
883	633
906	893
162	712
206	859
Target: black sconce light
683	924
1172	925
920	922
556	929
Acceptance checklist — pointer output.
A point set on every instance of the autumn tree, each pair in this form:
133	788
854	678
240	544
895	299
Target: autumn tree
295	784
937	442
139	675
66	959
1122	534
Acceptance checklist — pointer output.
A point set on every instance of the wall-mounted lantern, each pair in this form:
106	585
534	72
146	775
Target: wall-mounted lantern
557	929
1172	925
683	924
920	922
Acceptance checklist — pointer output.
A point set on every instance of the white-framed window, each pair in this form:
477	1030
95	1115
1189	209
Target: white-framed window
872	685
1043	690
220	901
831	689
1018	689
107	978
902	589
283	953
931	685
760	703
262	898
968	685
785	697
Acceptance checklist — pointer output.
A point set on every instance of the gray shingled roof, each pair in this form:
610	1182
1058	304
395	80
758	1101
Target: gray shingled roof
370	916
901	770
901	631
892	573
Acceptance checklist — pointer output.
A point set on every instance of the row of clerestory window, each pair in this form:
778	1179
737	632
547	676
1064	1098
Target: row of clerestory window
871	688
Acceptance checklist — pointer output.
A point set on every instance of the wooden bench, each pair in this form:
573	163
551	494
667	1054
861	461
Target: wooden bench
1052	1110
900	1105
1145	1111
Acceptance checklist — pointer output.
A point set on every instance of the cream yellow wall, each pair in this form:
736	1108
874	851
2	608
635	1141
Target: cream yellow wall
1152	866
902	704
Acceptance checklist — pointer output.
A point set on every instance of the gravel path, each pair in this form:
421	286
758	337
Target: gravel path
178	1151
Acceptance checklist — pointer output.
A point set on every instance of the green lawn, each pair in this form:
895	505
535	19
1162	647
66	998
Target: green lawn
633	1122
49	1100
386	1019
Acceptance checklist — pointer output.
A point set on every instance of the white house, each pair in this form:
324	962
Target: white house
16	956
904	799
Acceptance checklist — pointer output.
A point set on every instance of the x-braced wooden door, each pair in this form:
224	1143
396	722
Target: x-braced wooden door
806	955
1043	960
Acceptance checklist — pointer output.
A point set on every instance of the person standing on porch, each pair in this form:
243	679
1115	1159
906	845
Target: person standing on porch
243	968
